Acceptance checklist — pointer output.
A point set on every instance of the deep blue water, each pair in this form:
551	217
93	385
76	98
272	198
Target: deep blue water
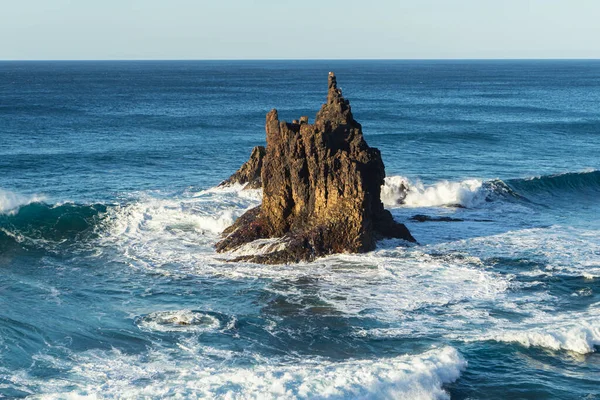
110	287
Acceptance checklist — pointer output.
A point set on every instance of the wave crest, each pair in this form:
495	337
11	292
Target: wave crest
582	339
11	202
41	224
419	377
399	190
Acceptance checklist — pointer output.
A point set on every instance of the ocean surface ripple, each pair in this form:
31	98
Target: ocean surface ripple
109	212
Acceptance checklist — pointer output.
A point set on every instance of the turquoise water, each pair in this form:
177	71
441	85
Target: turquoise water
110	287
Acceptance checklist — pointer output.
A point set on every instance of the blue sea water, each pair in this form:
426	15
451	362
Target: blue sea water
110	286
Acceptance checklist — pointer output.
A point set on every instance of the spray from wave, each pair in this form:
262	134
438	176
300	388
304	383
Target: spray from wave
43	226
191	219
11	202
399	190
472	193
581	339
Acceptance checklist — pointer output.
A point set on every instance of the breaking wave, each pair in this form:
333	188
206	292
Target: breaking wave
10	202
398	190
211	211
40	224
30	222
470	193
582	339
419	377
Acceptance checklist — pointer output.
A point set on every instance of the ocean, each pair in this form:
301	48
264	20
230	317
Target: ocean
110	286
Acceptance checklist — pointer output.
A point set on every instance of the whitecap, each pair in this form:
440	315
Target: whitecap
400	190
10	202
152	233
580	339
178	321
418	377
260	247
236	188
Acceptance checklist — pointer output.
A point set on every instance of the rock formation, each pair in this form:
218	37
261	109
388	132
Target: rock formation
427	218
321	190
249	172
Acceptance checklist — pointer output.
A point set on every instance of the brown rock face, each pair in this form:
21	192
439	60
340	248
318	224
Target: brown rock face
249	172
321	189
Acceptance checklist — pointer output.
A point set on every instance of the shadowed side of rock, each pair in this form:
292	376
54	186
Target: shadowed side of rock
249	172
321	189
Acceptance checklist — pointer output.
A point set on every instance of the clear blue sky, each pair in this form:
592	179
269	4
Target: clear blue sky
265	29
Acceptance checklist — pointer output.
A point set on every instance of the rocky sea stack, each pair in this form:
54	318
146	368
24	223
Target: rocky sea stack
321	190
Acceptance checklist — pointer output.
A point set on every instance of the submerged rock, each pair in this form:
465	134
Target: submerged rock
249	172
428	218
321	189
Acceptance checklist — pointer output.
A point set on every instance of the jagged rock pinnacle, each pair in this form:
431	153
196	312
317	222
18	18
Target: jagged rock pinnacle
321	189
333	93
336	110
332	82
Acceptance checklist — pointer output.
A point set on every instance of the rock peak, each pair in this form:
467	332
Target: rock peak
333	93
332	81
337	109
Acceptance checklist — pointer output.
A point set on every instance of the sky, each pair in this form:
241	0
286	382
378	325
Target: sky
299	29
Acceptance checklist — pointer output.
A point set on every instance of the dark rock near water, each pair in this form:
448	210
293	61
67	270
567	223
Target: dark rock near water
249	172
321	189
428	218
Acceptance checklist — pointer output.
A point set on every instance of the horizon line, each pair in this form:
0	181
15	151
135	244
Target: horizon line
304	59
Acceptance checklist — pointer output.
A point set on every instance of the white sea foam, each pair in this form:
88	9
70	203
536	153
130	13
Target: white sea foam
403	284
400	190
152	232
446	289
552	251
159	215
236	189
577	331
397	190
579	339
560	250
394	190
179	320
10	202
260	246
171	236
160	374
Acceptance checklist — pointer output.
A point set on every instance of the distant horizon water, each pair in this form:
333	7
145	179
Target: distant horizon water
316	59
